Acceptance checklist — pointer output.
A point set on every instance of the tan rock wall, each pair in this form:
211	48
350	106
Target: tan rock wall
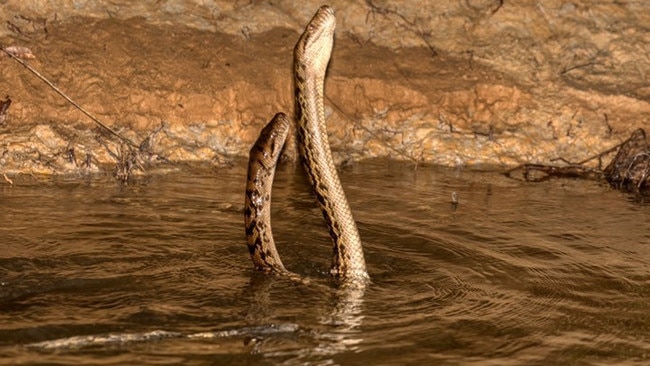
454	82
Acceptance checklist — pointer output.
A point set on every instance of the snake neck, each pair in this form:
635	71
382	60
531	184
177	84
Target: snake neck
348	260
263	158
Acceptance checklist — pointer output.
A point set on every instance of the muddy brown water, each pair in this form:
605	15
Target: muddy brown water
157	272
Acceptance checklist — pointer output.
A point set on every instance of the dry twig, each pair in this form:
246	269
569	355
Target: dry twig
67	98
7	179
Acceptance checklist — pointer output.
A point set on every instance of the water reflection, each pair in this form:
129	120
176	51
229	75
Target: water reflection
345	319
549	273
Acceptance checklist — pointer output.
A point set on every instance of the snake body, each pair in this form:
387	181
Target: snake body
311	56
263	159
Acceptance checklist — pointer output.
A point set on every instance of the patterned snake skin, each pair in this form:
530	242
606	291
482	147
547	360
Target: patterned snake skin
311	56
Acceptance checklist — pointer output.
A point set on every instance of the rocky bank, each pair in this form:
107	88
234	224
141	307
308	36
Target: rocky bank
461	82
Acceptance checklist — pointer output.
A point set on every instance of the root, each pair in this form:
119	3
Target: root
629	170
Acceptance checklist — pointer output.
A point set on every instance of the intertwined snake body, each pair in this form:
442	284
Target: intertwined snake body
311	56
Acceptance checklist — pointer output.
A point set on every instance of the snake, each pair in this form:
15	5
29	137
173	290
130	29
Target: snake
311	57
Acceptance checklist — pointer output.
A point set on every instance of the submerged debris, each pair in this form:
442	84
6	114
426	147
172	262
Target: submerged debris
629	170
541	172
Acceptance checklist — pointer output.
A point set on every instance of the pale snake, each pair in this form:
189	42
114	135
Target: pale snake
311	57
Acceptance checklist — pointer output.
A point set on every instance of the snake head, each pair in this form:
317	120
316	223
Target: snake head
271	140
315	45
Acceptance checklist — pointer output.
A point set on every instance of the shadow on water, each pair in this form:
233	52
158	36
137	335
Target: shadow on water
157	272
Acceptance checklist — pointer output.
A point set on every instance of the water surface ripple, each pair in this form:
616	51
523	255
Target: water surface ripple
157	272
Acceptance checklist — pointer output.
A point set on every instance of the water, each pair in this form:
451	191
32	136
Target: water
157	272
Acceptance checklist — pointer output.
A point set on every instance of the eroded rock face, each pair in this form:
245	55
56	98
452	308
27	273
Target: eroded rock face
455	83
